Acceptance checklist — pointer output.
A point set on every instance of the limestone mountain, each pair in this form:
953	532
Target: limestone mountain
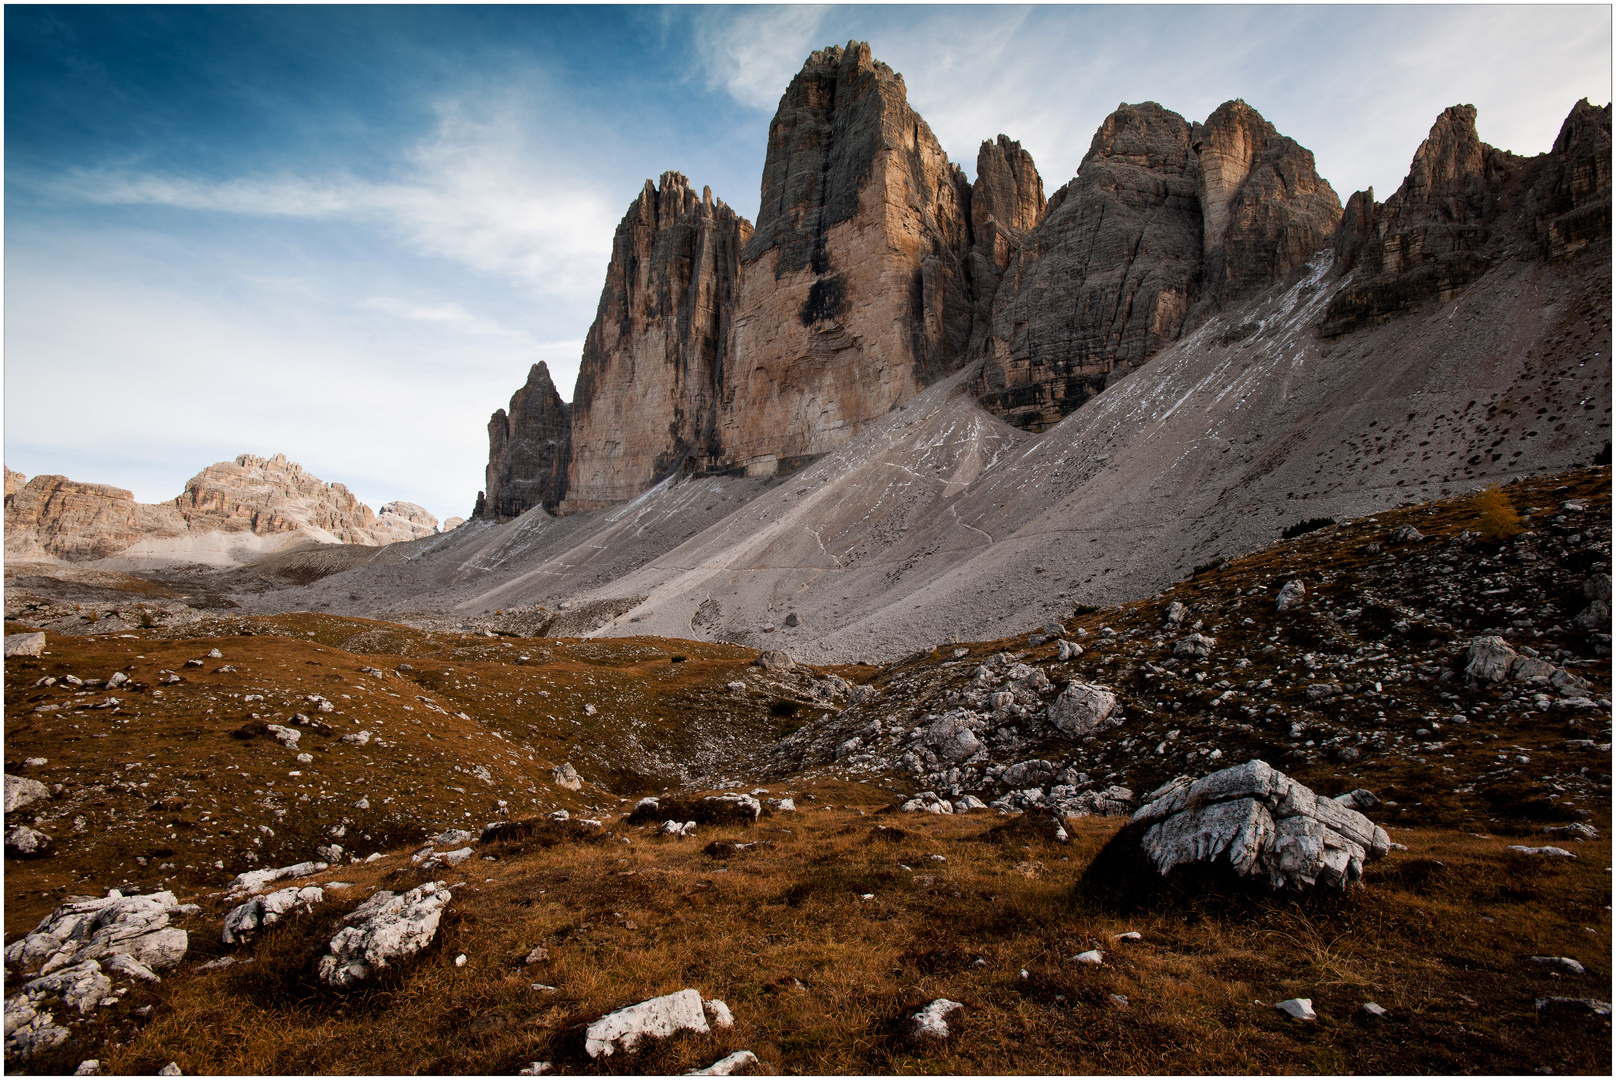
855	287
230	512
658	353
529	449
1165	222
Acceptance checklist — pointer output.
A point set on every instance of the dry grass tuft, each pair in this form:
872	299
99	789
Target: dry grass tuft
1496	519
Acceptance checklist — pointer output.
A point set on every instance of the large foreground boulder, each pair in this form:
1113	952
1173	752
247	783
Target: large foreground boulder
1250	821
100	927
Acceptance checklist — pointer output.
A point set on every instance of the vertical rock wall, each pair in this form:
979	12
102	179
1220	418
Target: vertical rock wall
1164	223
646	400
855	288
529	448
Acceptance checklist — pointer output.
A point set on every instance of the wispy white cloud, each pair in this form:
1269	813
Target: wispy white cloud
482	189
752	53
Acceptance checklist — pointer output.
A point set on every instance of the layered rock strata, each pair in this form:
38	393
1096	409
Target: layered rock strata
1463	207
1006	200
1163	218
529	450
647	394
855	288
229	507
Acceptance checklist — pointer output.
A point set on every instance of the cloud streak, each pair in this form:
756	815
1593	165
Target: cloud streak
479	190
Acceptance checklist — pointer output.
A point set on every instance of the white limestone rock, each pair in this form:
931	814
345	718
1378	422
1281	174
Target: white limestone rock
256	880
655	1019
931	1022
1263	824
1299	1008
385	930
728	1065
97	927
567	777
24	644
1084	708
264	911
1290	596
23	791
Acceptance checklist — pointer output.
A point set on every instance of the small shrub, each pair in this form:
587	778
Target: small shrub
147	622
1310	525
1084	609
1496	519
678	658
1207	567
785	707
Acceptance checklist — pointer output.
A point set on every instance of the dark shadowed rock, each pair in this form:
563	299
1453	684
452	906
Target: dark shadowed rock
1006	200
1427	242
528	449
647	397
1573	193
1104	280
1264	207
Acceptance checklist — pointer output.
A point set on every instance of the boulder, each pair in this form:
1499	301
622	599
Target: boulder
267	910
565	776
384	931
1290	595
656	1018
1194	647
1082	709
776	660
25	843
931	1022
1255	822
24	644
1176	613
255	880
22	791
952	737
137	926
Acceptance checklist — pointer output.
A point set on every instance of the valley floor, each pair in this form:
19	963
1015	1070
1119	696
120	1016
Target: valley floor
181	754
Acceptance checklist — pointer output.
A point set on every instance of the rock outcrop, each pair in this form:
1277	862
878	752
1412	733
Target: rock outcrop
1573	194
648	386
529	449
404	521
1006	200
1163	220
1252	821
14	482
229	511
855	288
1426	242
1264	207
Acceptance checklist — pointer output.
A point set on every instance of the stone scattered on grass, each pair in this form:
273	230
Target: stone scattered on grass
1093	956
23	791
727	1066
264	911
1374	1010
24	644
1544	852
1586	1006
385	930
1564	963
1300	1008
655	1018
930	1022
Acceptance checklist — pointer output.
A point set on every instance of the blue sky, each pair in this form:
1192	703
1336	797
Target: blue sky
344	233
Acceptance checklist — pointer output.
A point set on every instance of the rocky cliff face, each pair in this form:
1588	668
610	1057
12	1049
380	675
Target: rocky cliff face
230	509
1104	281
1165	222
647	395
855	288
1006	200
1573	195
1264	207
1464	206
529	449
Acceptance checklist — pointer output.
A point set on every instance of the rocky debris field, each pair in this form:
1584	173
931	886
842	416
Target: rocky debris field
1463	680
